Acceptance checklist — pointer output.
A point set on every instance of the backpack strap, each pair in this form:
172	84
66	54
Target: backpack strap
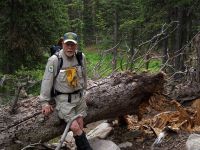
79	58
54	49
60	63
59	66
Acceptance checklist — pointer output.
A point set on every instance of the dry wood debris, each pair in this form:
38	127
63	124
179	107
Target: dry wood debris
161	117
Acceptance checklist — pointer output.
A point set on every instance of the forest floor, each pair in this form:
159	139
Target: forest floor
137	135
158	116
180	122
141	135
141	141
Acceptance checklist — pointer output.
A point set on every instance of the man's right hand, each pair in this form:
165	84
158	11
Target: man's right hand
47	109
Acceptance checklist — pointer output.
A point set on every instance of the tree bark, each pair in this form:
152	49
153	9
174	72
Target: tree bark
196	43
117	95
132	51
166	42
179	38
115	37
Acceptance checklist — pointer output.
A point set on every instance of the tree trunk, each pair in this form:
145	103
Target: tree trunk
117	95
165	51
88	19
9	66
132	51
114	61
166	43
196	43
178	39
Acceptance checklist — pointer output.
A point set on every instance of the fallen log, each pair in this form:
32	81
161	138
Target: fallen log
116	95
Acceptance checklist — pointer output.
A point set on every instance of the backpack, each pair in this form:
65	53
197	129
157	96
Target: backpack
54	49
79	58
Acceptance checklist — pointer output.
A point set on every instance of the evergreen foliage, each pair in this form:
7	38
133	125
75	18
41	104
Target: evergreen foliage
27	28
30	27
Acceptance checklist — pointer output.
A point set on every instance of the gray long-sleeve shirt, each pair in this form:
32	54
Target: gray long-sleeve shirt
60	83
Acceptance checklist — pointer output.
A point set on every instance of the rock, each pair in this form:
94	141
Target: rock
101	131
69	141
23	93
99	144
193	142
125	145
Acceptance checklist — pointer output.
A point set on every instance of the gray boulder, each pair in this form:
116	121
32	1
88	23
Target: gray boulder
193	142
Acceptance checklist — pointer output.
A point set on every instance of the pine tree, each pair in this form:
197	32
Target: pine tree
27	28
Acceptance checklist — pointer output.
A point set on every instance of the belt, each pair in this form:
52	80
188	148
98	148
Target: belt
69	94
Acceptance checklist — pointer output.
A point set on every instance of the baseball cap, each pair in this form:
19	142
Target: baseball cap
70	37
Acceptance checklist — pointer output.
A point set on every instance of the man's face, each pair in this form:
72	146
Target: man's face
69	48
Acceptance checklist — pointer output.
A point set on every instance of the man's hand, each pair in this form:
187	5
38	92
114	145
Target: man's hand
47	109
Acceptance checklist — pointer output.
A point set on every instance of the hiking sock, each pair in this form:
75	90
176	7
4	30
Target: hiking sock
82	142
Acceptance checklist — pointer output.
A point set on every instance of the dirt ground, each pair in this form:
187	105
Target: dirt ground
140	134
143	138
144	142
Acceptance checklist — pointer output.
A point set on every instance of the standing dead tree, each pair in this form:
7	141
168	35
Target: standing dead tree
117	95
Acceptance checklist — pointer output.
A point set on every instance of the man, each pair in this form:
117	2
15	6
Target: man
68	84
